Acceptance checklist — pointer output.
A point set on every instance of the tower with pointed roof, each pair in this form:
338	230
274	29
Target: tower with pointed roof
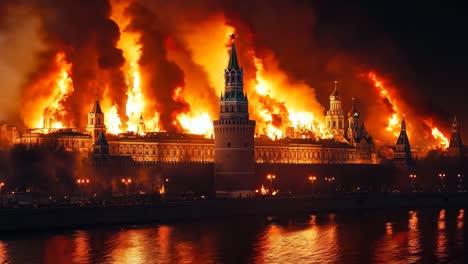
335	118
101	146
96	120
402	152
455	146
141	129
353	123
234	133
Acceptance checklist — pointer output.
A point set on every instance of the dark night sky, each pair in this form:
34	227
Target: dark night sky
434	39
431	39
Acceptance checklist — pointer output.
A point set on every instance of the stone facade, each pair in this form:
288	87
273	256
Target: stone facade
234	151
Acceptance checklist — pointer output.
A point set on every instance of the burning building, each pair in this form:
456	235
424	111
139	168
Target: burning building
234	149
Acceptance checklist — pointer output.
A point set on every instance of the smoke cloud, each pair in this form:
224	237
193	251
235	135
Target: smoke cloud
303	47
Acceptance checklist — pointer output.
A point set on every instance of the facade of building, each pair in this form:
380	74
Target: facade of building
234	150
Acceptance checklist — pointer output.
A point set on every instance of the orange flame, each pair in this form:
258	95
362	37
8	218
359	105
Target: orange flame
112	120
296	123
442	141
393	121
53	111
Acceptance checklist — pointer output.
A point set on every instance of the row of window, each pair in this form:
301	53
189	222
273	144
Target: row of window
231	129
324	154
167	151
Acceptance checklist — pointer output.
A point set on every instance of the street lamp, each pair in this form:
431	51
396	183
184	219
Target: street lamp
271	177
1	191
82	182
460	182
330	181
442	180
163	190
312	180
412	177
126	182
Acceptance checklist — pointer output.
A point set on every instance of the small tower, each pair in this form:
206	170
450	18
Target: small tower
141	129
96	121
101	146
456	146
402	152
234	134
353	123
335	118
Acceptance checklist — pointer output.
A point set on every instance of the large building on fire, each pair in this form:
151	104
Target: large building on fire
233	150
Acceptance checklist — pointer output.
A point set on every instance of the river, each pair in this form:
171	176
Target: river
383	236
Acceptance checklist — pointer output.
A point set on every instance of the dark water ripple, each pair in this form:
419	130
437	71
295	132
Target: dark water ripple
392	236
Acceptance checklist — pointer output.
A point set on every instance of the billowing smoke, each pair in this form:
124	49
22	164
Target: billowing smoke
16	53
163	77
302	47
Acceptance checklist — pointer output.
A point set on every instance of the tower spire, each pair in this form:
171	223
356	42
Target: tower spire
233	63
403	123
335	93
455	146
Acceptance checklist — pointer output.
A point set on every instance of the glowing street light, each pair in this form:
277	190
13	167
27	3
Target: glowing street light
312	180
163	188
412	177
330	181
82	182
271	177
1	189
460	182
442	180
126	182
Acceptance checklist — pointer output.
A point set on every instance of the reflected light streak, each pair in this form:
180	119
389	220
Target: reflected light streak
82	247
3	252
460	219
441	237
413	243
388	228
319	243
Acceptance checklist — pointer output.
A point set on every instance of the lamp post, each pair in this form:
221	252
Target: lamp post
164	185
312	180
82	182
442	181
412	177
330	181
271	177
460	182
1	192
126	182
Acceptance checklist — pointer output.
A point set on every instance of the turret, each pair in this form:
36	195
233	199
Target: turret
335	118
353	121
234	134
402	152
101	146
141	129
455	148
96	120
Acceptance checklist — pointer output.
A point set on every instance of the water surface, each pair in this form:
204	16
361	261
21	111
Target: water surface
387	236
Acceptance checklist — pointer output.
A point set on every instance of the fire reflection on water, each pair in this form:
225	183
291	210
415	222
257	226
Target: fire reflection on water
3	252
441	249
299	243
401	237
